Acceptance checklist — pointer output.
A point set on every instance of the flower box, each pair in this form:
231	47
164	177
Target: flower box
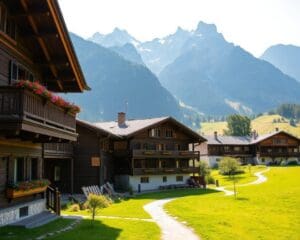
14	193
166	153
149	152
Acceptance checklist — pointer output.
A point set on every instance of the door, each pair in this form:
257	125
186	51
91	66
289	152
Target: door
58	171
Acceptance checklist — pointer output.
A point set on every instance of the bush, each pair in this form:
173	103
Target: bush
283	163
239	171
75	207
210	179
292	163
96	202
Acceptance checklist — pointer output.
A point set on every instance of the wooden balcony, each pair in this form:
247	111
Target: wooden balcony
165	154
58	150
23	112
279	154
166	171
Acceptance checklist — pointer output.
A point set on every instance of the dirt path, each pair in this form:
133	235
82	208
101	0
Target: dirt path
171	228
260	179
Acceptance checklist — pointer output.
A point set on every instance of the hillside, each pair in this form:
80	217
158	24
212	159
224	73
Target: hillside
284	57
262	125
119	85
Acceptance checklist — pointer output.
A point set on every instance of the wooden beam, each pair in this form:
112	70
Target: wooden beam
32	13
41	42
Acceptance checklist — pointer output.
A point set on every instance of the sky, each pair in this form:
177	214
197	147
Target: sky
253	24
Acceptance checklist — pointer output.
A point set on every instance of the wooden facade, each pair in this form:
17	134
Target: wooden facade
275	147
34	47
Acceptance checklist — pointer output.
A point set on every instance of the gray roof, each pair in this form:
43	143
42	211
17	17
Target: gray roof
133	126
243	140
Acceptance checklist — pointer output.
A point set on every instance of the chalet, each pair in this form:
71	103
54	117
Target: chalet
151	152
36	57
264	149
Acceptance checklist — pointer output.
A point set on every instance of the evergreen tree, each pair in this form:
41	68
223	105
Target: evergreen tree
238	125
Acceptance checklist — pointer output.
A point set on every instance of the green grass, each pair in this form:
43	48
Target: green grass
263	124
269	211
112	229
243	178
133	207
16	233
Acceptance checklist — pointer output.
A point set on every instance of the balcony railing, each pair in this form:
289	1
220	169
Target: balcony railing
279	154
58	150
159	171
24	110
165	154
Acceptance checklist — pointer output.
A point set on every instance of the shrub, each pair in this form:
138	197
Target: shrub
75	207
210	179
283	163
292	163
236	172
96	202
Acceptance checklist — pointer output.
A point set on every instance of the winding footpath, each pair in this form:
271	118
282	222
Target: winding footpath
171	228
260	179
174	230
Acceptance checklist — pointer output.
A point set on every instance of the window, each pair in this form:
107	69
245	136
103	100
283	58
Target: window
150	163
144	179
246	148
280	141
226	148
34	168
155	132
169	133
18	72
138	163
179	178
19	170
7	25
137	145
168	163
23	211
56	173
165	179
184	163
237	149
160	147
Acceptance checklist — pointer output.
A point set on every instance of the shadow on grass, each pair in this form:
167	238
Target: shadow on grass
242	199
88	229
174	193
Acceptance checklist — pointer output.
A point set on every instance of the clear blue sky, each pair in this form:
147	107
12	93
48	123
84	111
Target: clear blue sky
252	24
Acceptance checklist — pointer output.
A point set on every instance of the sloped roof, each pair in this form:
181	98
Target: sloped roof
228	140
133	126
243	140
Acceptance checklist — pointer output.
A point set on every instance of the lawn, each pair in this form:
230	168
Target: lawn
267	211
263	124
246	177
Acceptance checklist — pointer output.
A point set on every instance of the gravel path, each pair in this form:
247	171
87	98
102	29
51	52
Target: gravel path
171	228
260	179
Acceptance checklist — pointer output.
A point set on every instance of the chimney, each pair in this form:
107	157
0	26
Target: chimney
121	118
277	129
216	135
254	134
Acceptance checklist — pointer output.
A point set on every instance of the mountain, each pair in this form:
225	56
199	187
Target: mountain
119	85
117	38
160	52
129	52
219	78
284	57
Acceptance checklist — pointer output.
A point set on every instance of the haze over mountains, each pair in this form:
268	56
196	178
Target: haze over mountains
284	57
208	73
119	85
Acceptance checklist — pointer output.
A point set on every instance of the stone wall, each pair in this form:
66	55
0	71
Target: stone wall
11	214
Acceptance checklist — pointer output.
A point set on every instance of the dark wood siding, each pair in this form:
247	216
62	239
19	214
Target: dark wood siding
4	67
87	147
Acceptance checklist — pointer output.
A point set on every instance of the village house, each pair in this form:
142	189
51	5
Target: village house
272	148
36	57
152	152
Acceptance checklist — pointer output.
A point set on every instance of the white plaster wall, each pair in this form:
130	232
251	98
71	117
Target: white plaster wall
11	214
155	181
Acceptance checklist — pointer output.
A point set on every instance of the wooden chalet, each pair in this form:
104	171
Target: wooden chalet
34	47
152	152
270	148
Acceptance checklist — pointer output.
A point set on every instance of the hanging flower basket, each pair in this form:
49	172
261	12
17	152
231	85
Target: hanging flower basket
40	90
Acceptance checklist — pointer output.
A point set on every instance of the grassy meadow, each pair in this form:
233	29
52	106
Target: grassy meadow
263	124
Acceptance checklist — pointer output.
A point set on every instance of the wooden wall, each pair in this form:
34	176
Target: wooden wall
290	141
4	67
